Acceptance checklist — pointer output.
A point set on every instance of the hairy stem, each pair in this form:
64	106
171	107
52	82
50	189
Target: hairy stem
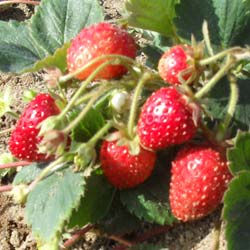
111	57
46	171
6	188
77	236
120	240
132	115
218	56
212	82
100	134
15	164
85	110
234	96
216	236
82	88
207	38
5	131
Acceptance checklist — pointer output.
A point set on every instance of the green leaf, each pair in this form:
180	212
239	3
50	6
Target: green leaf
54	23
149	201
233	18
236	212
90	124
228	21
28	173
190	17
238	156
95	203
148	247
51	203
58	59
155	15
218	101
119	221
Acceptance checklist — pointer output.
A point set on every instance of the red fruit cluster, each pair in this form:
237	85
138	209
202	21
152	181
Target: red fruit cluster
177	63
199	179
24	139
99	40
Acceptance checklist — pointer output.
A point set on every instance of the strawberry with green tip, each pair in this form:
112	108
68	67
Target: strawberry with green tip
99	40
167	119
24	140
199	179
122	168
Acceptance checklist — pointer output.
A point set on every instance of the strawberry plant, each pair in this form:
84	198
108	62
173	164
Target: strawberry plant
111	142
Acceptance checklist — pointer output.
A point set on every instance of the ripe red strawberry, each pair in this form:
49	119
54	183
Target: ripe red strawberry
122	169
176	60
97	40
199	179
24	138
166	119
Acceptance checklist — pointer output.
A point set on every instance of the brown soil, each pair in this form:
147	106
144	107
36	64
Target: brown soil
15	234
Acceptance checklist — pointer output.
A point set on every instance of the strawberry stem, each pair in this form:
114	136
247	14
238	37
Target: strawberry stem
13	114
234	96
207	38
6	131
120	240
113	59
77	236
216	236
82	88
100	134
212	82
81	115
132	115
218	56
6	188
15	164
46	171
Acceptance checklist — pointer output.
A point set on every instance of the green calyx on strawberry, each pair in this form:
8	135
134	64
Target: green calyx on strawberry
167	119
24	139
100	40
177	65
199	179
125	169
